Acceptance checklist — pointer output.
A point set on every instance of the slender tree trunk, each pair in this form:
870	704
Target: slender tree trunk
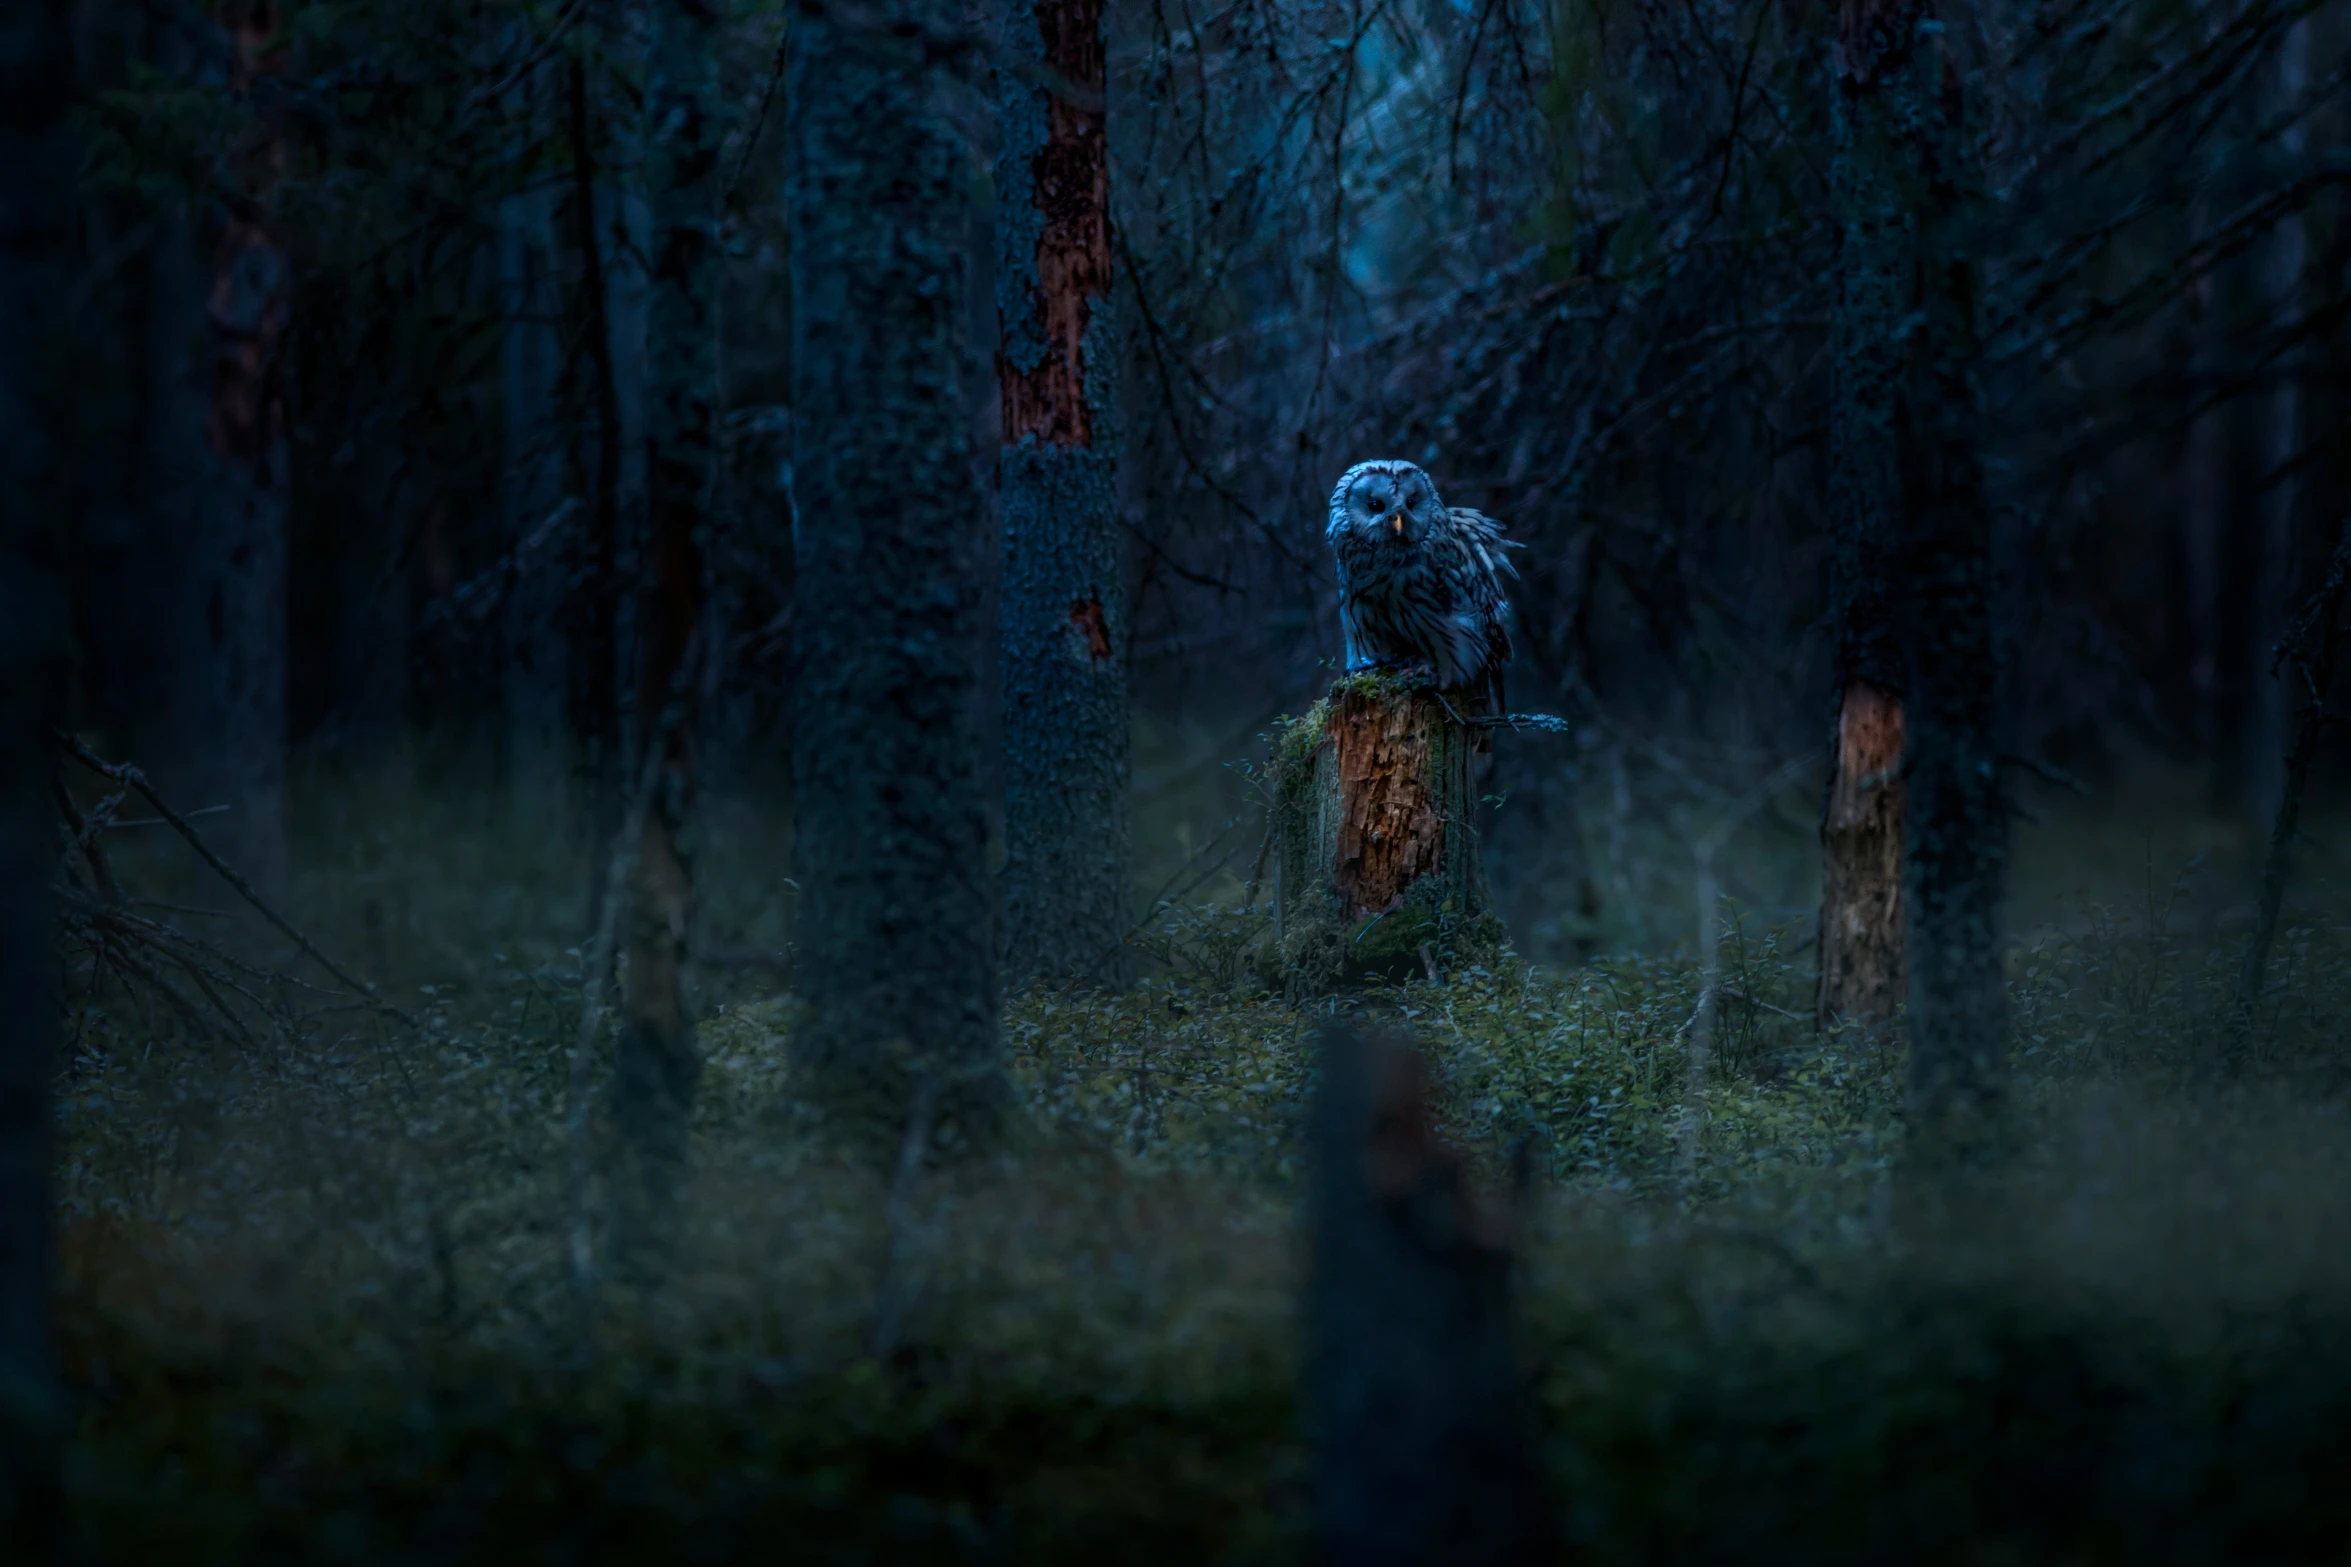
36	275
1064	612
896	945
1861	921
657	1065
2307	665
215	545
242	497
2284	266
2203	489
542	525
1957	826
594	614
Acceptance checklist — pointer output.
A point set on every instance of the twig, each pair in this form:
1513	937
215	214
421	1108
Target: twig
1758	1001
124	773
157	821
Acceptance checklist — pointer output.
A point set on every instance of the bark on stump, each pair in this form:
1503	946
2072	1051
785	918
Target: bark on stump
1380	865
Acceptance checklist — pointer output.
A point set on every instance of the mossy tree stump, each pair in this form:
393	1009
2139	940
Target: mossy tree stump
1377	850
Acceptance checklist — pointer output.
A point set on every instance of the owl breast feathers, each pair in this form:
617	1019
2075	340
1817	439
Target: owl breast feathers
1420	582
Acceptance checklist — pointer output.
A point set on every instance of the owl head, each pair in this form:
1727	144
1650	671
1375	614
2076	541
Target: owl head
1387	501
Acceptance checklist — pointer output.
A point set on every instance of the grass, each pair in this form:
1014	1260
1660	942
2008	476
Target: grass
317	1305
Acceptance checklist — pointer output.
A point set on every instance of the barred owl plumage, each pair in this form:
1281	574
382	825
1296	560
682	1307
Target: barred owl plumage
1420	582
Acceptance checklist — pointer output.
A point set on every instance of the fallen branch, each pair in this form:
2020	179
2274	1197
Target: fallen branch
129	776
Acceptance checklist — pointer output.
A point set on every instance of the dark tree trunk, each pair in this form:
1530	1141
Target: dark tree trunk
36	276
896	945
1377	849
657	1065
237	711
1064	612
2306	663
593	621
541	522
2268	721
1874	108
1957	837
1418	1411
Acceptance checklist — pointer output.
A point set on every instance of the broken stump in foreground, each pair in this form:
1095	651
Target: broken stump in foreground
1419	1414
1377	853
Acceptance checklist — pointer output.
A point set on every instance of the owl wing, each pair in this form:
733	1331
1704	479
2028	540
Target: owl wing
1489	562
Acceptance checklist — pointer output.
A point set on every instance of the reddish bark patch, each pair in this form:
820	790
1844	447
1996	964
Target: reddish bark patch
1070	185
1086	615
1391	828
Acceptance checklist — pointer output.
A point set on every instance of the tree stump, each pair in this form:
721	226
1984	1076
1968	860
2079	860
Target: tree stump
1416	1403
1380	867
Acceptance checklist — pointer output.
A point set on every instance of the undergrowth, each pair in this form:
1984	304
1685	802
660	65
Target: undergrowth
318	1305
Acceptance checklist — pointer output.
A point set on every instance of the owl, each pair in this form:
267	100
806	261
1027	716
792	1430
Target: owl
1420	583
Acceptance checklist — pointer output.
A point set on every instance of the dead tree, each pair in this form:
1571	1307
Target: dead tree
1377	848
1875	112
1419	1416
1068	875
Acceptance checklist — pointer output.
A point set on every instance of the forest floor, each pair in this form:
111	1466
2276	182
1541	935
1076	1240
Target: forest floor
319	1303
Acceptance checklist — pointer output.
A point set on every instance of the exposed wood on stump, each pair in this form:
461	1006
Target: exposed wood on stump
1419	1416
1861	880
1379	854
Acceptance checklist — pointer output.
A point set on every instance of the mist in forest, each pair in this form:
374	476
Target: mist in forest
1380	781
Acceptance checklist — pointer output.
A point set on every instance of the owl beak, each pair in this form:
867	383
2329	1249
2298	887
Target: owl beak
1396	522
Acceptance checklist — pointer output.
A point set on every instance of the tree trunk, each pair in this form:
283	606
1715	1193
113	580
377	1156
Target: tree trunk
1418	1409
541	524
593	622
657	1065
37	273
1874	111
896	945
1957	826
1861	871
1066	880
2284	265
211	561
1381	867
240	753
